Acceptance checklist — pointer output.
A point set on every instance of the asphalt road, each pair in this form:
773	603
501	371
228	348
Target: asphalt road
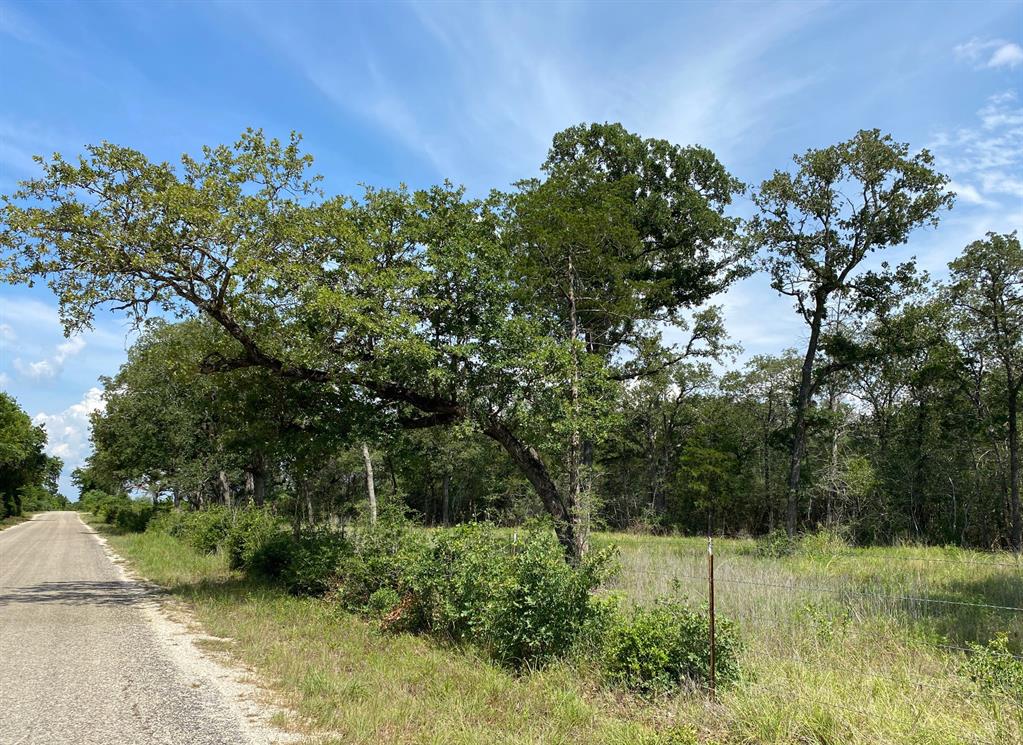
81	660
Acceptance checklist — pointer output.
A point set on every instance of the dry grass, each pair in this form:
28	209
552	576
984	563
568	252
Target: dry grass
819	667
8	522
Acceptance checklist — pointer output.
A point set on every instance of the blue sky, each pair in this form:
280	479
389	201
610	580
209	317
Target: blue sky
415	93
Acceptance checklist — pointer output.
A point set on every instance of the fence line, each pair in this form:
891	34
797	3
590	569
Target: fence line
852	555
834	591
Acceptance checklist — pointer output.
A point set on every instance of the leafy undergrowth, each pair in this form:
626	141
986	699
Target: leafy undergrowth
824	675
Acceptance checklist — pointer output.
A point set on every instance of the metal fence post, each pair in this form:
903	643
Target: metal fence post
710	607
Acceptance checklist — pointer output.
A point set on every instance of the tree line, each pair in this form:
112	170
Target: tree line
505	356
28	476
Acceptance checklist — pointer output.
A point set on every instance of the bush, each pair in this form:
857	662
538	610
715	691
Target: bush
521	603
253	541
313	560
383	602
775	545
204	530
666	645
449	580
260	543
379	556
994	668
118	510
541	605
823	543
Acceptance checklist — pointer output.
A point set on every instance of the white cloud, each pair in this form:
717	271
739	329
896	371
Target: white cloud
67	432
967	193
7	333
4	380
992	53
1007	55
492	85
50	367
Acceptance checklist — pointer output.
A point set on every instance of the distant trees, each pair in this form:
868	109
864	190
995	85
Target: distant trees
28	476
986	293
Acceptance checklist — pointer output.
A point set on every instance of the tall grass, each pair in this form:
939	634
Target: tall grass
846	645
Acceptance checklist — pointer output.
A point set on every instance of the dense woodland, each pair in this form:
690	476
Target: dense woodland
28	476
504	357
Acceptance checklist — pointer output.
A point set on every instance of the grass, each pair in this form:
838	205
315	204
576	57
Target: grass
842	666
8	522
846	645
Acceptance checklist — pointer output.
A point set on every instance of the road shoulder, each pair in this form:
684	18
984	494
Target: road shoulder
184	642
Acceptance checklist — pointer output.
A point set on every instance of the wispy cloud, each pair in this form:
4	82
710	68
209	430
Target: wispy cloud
986	160
50	367
477	91
990	53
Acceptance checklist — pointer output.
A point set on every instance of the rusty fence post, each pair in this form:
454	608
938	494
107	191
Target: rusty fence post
710	608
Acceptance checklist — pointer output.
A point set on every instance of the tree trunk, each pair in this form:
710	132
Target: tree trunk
574	497
255	480
259	483
799	425
225	488
567	524
1017	526
832	492
370	488
446	504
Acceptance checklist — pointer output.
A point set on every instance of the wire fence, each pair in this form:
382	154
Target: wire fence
729	590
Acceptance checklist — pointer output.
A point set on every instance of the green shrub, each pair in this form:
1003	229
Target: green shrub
204	530
775	544
312	563
666	645
134	517
994	668
542	604
822	543
379	556
520	603
172	522
383	601
253	541
118	510
449	581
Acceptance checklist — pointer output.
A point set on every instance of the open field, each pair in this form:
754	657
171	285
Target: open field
850	665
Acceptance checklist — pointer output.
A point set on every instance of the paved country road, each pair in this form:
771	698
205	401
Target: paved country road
84	658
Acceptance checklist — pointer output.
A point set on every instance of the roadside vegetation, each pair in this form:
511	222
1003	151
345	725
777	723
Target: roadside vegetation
28	476
799	666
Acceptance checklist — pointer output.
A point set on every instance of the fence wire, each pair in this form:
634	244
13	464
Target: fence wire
958	688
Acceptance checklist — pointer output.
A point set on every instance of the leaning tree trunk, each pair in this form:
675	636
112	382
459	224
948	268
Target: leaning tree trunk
567	521
370	488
